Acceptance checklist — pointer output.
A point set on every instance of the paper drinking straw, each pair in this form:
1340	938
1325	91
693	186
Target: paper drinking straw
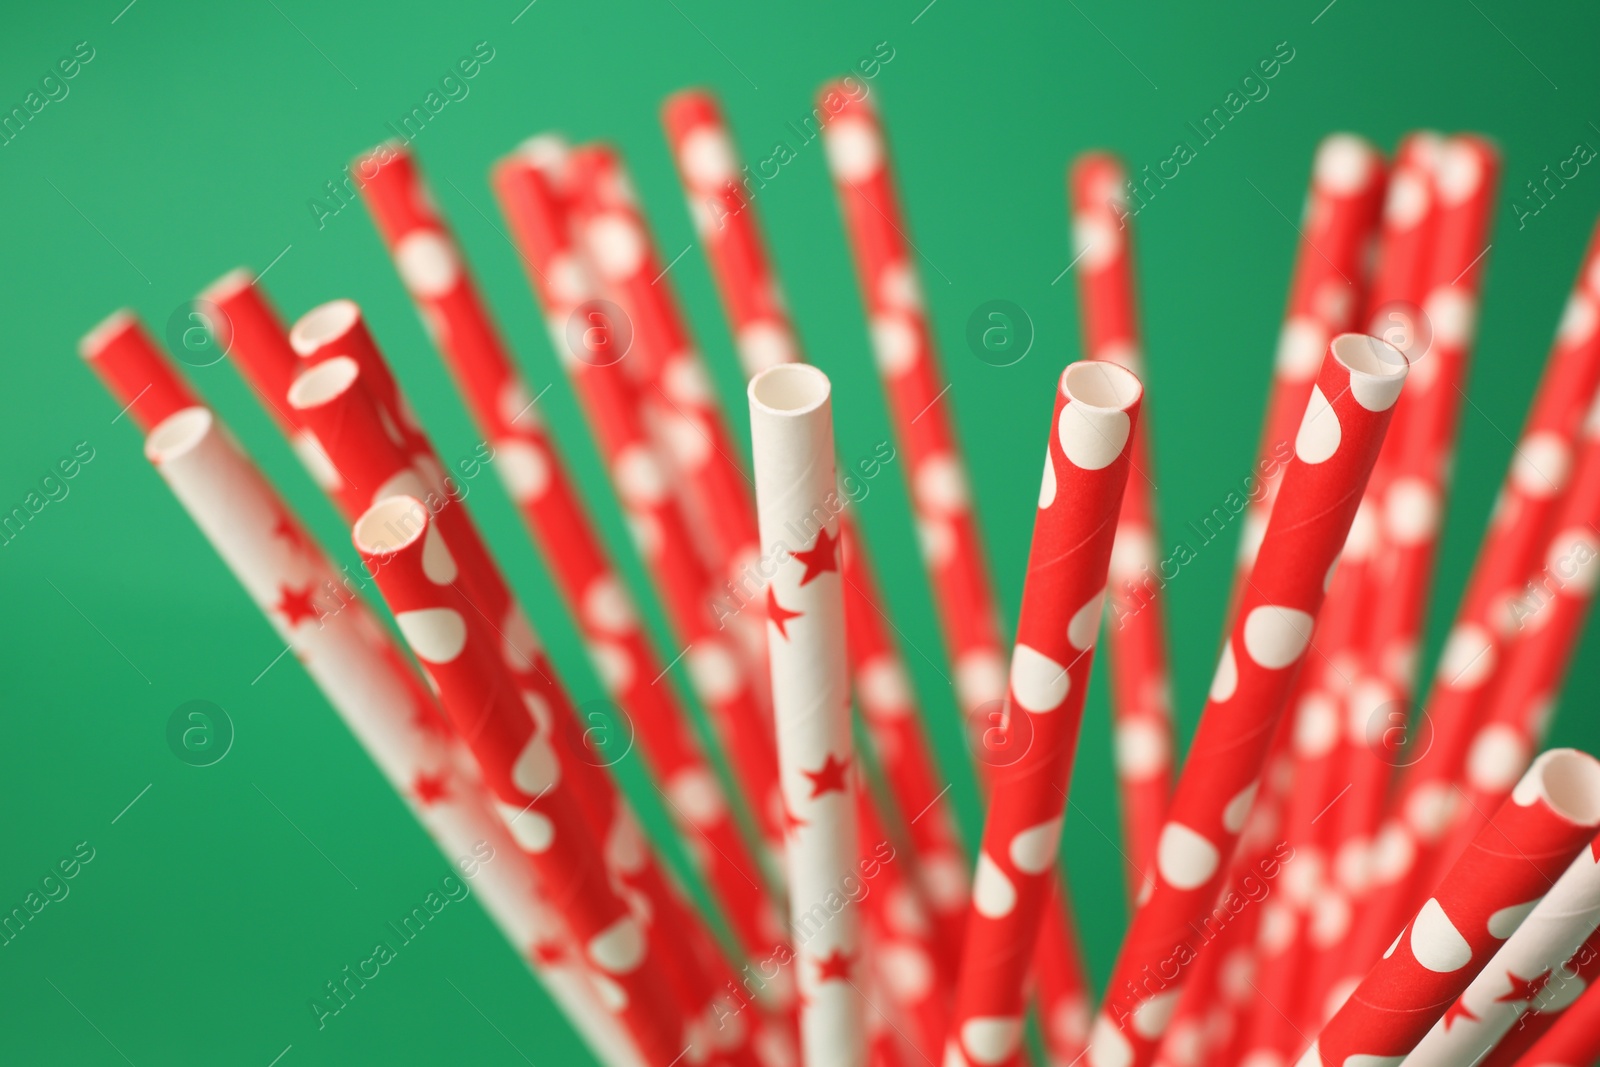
1086	471
726	219
1574	1040
134	371
435	272
536	780
1550	618
1417	482
1551	816
1402	855
1340	217
1568	987
1511	985
683	415
1335	448
583	337
791	435
1136	637
348	423
317	611
952	550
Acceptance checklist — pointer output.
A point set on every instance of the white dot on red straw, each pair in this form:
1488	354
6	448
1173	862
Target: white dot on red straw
714	670
1033	850
1435	941
1429	810
1275	636
1142	749
1407	201
696	794
1344	165
1503	923
1038	683
639	477
537	769
1497	759
529	829
1453	313
1047	484
1468	658
613	663
1085	622
1578	320
523	467
1319	435
519	646
1316	726
1150	1019
437	563
1302	342
855	152
940	485
436	635
1226	680
1541	465
944	876
1108	1047
906	969
619	948
606	605
1092	437
993	895
616	244
1238	809
427	263
895	344
1459	172
1410	511
980	676
764	344
688	440
991	1040
707	158
885	692
1097	241
1185	858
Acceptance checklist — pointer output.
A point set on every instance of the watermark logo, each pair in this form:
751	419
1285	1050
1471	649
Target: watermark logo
997	737
199	733
607	732
199	333
999	332
1399	734
599	333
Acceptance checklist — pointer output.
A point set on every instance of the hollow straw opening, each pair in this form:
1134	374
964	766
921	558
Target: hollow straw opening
1098	383
790	389
324	382
544	151
1364	354
178	433
322	324
390	525
1570	781
107	330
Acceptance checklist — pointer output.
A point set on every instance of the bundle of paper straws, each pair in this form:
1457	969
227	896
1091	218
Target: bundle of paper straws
1311	884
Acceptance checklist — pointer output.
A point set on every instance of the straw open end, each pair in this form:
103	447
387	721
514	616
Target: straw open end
178	433
1098	383
107	330
1568	781
329	379
322	324
790	389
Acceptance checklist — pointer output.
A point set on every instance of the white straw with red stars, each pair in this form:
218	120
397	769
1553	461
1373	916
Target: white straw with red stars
1574	1040
726	220
1087	460
1512	863
1136	636
1568	1004
351	659
1513	983
1334	450
791	434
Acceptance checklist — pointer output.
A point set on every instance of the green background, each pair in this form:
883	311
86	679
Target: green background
215	906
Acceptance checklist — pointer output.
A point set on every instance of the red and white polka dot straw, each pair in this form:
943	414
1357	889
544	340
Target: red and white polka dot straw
682	412
1513	984
726	221
1550	623
952	550
1327	743
1334	451
903	342
560	277
1338	223
1085	473
791	434
1136	636
1401	576
355	664
1403	852
1573	1041
1551	816
353	429
1569	988
536	779
434	270
134	371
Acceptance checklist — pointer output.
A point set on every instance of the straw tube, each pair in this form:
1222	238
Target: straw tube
797	498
